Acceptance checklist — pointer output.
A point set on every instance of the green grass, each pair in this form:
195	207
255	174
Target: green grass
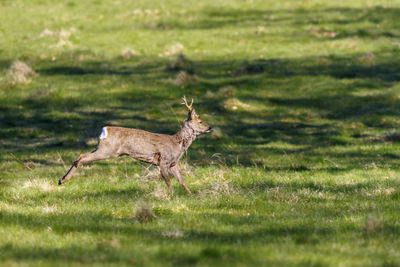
302	169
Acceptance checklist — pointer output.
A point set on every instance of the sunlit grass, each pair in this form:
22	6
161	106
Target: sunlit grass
301	170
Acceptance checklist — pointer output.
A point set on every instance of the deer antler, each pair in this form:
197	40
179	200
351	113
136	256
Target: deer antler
186	104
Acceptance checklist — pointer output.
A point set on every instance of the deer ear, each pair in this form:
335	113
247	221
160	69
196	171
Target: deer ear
193	114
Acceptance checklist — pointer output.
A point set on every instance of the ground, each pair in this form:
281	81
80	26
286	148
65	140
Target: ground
301	169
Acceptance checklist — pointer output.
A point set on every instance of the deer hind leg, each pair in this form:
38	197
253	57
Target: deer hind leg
177	174
101	152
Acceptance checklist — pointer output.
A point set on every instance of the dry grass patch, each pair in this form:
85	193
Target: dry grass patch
177	208
42	185
308	193
129	53
233	104
146	12
173	234
144	213
218	184
19	72
65	34
31	165
173	50
49	209
236	104
46	32
371	165
161	192
381	192
221	187
227	91
63	43
184	79
114	243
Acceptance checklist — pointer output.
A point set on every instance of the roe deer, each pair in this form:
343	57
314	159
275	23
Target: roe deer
158	149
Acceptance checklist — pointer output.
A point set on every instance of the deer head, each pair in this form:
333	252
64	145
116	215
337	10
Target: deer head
194	121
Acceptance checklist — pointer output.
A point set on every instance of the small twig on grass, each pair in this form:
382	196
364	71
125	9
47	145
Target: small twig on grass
62	161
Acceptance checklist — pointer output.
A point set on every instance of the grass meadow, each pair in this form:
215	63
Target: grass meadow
302	168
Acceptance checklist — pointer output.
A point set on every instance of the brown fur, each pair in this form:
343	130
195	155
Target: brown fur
158	149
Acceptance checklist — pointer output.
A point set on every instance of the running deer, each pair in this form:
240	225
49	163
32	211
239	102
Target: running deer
158	149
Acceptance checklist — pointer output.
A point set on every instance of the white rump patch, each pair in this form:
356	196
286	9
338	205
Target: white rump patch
103	133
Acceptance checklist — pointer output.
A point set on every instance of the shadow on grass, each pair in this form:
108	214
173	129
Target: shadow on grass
53	119
357	90
247	228
211	19
317	187
105	254
77	254
345	22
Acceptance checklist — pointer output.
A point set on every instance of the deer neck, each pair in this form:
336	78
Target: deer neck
185	137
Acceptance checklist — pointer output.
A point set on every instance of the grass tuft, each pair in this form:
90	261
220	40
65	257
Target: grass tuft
19	72
161	192
183	79
144	213
233	104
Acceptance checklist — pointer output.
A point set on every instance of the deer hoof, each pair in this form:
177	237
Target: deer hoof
59	182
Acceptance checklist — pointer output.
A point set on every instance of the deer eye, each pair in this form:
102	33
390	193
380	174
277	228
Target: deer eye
201	122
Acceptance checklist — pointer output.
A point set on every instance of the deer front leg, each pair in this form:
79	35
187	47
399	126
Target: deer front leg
165	176
177	174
